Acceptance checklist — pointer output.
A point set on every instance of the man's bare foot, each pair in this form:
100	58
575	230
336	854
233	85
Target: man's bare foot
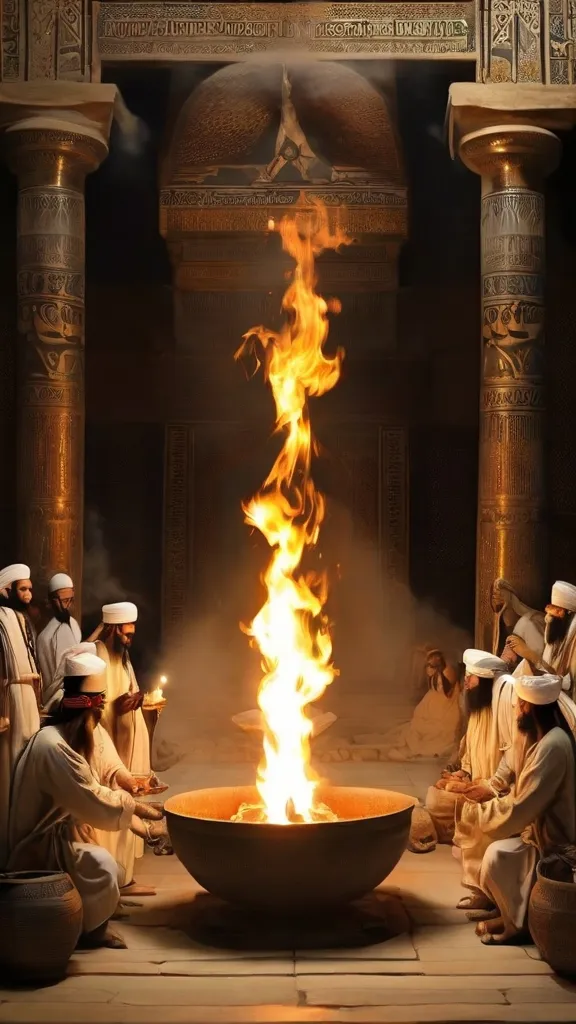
475	901
103	937
133	889
496	932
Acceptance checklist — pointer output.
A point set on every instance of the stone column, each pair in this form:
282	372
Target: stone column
52	152
513	161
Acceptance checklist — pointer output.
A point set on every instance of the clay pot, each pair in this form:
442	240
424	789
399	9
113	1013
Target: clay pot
551	917
40	924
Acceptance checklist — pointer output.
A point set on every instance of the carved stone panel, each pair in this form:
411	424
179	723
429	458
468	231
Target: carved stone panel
57	40
514	35
13	46
220	32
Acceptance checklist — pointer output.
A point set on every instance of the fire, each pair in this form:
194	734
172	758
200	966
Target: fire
291	629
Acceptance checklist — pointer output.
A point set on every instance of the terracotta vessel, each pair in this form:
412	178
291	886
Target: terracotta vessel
40	924
551	917
290	869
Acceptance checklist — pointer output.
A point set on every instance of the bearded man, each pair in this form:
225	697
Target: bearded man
559	657
513	616
62	793
481	750
537	818
19	682
60	634
123	720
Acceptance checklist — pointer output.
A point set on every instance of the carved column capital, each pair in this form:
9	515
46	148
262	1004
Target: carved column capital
511	156
46	152
55	133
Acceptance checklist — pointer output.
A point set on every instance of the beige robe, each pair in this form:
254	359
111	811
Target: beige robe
19	704
480	756
130	738
435	727
56	638
55	791
522	827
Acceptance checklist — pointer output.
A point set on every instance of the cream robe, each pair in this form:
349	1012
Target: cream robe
54	791
56	638
520	828
480	755
18	703
435	727
130	737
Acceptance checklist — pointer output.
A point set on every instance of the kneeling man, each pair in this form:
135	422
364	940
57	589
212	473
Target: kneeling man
538	817
58	799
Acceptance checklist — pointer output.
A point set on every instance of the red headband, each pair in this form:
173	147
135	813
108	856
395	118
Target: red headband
84	700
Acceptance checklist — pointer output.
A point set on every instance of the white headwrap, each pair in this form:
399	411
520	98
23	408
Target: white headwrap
538	689
564	596
12	573
483	664
84	648
60	582
84	665
120	613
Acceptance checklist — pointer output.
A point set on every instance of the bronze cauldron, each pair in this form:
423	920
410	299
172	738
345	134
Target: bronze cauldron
290	869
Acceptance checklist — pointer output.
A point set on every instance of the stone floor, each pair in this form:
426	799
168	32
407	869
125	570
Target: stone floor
182	965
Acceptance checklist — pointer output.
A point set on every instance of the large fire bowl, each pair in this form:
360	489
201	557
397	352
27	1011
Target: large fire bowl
290	869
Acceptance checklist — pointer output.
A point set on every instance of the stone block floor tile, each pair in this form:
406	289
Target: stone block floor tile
405	954
165	991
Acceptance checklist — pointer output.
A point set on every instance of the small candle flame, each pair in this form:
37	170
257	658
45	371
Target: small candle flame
156	696
271	224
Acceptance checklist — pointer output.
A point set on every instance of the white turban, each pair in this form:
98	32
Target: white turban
84	648
84	665
483	664
538	689
564	596
60	582
120	613
12	573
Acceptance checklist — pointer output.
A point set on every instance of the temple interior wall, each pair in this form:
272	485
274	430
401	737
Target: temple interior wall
416	369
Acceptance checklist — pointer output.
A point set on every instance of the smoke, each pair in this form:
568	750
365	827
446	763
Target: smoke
100	586
376	627
133	134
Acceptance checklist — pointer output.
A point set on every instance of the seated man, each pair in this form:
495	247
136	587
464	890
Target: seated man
61	792
481	747
537	818
435	728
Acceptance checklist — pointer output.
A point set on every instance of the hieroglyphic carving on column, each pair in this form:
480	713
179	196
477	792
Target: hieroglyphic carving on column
513	41
13	49
178	481
51	392
511	536
58	40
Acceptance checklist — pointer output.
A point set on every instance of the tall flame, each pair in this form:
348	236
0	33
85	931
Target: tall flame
291	629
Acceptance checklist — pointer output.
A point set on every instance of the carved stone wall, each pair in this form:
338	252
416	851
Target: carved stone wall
45	39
